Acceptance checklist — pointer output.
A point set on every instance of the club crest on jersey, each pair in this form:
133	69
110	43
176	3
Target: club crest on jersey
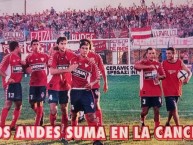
17	69
171	71
42	59
42	94
92	105
80	73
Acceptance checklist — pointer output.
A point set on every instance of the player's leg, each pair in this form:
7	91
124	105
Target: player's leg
7	106
144	109
16	91
175	112
171	106
16	114
5	111
40	96
53	101
156	103
87	101
63	101
75	107
98	112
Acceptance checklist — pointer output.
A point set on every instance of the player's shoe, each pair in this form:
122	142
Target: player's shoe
97	142
167	124
13	128
81	119
64	141
142	124
42	120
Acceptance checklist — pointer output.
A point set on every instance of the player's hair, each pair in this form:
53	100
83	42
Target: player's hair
34	40
172	49
61	39
146	51
86	42
13	45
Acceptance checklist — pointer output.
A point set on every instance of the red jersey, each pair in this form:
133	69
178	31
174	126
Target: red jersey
38	63
172	86
83	74
60	60
99	63
147	86
11	66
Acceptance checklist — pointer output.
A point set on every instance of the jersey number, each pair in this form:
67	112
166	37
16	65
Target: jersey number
10	95
144	101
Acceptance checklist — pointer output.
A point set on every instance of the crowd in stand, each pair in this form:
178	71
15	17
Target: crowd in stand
103	20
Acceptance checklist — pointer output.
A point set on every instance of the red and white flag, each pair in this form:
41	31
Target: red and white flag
141	33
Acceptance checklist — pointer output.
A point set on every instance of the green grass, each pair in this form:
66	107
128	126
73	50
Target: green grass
121	106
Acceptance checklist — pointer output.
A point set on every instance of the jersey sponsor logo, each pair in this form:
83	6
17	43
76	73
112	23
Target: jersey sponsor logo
62	66
80	73
172	71
148	75
17	69
37	67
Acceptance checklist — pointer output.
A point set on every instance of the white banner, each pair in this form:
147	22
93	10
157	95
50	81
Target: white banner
164	32
163	42
119	45
120	70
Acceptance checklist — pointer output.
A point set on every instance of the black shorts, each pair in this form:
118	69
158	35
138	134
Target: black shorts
60	97
82	100
151	102
37	93
96	93
171	102
14	92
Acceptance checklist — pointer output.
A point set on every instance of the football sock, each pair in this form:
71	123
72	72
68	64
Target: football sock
4	114
16	114
39	113
64	124
52	119
99	117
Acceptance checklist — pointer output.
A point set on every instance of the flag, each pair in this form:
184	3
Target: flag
141	33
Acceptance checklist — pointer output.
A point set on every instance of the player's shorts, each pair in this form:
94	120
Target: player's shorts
96	93
60	97
82	100
37	93
14	92
171	102
151	102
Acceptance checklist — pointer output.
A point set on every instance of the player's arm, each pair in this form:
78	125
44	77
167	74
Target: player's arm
3	67
184	67
161	72
27	67
140	66
95	74
104	74
54	70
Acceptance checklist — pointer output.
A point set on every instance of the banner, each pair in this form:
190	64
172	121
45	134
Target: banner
82	35
13	35
99	45
120	70
164	32
42	35
163	42
118	45
6	50
141	33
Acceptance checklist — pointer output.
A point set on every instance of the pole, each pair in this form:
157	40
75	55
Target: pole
24	7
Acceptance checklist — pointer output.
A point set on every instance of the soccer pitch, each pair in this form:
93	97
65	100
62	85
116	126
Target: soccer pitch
120	105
